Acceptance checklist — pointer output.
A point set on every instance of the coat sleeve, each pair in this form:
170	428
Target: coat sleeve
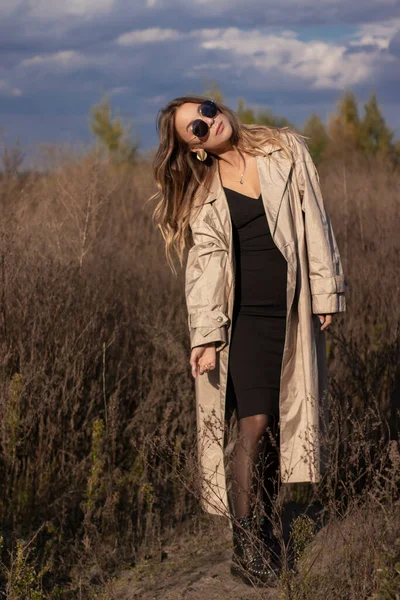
205	292
328	283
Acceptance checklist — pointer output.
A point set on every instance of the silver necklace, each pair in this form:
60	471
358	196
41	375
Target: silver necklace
241	175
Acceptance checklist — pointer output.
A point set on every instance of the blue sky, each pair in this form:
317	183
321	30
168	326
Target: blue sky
58	58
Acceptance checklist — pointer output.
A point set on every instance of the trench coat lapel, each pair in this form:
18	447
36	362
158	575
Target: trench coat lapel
273	176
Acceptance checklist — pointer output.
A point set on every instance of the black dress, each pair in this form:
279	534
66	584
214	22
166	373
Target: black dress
259	312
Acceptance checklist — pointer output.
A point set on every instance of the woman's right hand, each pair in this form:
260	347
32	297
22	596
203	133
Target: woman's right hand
202	356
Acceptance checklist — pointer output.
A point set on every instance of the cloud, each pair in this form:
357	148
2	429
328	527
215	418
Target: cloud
375	34
225	54
66	59
55	9
9	7
59	58
394	45
148	36
116	91
160	99
319	63
8	90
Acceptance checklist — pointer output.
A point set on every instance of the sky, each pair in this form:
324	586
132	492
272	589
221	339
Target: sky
295	57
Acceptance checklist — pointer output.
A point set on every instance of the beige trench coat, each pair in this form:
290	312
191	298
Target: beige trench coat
316	284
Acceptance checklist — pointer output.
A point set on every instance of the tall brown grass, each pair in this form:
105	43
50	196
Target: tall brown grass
97	420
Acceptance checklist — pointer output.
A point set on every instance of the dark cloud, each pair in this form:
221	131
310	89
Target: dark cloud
394	45
22	32
57	90
368	48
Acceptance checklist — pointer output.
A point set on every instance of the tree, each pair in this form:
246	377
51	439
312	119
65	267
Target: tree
348	111
375	135
344	127
113	135
265	117
315	129
397	149
12	158
214	93
246	115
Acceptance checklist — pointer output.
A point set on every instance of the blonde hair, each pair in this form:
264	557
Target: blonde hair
179	175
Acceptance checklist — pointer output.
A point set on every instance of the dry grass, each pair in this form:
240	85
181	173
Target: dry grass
97	422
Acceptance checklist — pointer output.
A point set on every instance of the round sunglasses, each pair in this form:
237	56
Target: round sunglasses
209	109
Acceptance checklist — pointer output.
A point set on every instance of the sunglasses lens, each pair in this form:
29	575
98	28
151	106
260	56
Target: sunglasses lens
208	109
199	128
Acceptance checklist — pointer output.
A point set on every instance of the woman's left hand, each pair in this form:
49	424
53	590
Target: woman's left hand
325	320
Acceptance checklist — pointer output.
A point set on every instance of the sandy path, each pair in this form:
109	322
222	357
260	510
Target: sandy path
192	568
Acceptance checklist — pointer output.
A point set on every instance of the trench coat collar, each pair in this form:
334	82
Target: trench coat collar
273	176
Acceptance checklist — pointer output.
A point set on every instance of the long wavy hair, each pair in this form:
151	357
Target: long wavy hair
180	177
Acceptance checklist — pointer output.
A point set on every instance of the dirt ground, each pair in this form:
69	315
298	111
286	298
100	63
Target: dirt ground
191	568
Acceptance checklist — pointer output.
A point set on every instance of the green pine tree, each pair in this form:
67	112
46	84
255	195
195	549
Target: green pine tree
397	151
348	110
344	128
112	134
375	135
214	93
315	129
246	115
265	117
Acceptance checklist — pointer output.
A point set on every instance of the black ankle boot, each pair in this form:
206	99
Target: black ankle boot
270	541
250	560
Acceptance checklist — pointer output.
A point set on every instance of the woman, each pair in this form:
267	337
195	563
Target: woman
262	280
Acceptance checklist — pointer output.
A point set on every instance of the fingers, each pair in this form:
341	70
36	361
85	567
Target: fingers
205	366
194	366
325	320
200	366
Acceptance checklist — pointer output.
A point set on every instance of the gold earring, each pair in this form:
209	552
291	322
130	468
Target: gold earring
201	154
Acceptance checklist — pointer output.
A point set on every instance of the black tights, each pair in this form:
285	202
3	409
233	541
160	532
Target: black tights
255	460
